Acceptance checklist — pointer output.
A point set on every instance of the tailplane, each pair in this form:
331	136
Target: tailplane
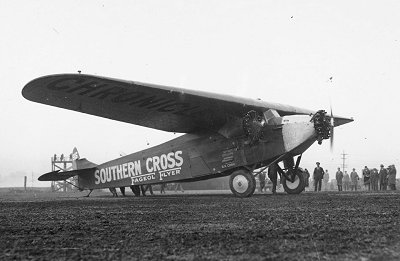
81	167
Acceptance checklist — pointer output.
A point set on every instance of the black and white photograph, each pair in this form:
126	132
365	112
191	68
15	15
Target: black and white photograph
199	130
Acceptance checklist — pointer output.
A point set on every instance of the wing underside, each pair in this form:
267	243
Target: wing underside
154	106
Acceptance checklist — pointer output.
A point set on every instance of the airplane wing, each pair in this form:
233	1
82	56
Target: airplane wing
154	106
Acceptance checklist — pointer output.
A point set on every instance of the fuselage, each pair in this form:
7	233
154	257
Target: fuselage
205	155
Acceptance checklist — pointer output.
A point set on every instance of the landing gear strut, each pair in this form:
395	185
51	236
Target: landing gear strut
89	193
292	180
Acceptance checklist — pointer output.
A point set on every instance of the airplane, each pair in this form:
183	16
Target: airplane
224	135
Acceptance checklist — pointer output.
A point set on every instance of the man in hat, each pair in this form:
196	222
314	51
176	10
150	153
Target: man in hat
346	181
318	175
383	178
374	179
354	179
367	178
392	177
339	179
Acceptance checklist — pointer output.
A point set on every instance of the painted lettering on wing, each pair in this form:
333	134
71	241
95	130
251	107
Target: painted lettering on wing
131	94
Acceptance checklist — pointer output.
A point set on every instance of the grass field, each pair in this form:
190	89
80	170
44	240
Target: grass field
198	226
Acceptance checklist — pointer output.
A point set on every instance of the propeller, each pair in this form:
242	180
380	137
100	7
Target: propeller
332	129
332	119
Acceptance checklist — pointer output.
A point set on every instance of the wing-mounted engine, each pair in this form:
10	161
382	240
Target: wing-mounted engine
253	123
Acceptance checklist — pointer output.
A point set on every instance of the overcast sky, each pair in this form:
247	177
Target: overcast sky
279	51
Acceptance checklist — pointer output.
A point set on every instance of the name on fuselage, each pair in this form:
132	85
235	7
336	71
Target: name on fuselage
163	166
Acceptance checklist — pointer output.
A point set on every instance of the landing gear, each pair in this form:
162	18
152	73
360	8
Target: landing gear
89	193
296	184
242	183
292	180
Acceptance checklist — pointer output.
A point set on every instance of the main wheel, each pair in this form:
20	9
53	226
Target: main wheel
242	183
295	187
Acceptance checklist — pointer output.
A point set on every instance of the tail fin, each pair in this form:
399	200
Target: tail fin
79	163
81	167
82	164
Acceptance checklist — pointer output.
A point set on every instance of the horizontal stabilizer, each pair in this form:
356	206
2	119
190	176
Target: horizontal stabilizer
59	176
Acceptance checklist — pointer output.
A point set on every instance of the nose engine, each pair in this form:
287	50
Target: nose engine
322	125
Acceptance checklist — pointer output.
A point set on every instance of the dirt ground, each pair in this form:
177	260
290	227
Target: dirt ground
185	226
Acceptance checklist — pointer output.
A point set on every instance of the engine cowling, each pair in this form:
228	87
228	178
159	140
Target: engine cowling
253	123
322	125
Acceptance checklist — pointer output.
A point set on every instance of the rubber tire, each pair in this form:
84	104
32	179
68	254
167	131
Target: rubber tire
251	182
299	188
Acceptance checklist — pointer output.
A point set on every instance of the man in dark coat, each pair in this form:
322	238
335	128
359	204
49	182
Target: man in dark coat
136	190
318	176
367	177
306	175
383	178
339	179
374	179
261	177
392	177
354	179
273	176
122	189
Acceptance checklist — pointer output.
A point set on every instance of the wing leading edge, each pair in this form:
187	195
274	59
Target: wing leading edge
154	106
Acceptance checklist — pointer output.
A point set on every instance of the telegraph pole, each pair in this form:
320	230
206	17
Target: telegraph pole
344	160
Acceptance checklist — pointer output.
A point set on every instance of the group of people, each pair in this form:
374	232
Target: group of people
273	177
372	179
140	190
136	189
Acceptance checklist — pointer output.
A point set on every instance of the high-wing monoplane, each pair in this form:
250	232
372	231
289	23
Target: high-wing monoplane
225	135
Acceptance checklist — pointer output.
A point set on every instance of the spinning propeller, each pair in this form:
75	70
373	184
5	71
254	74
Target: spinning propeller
332	129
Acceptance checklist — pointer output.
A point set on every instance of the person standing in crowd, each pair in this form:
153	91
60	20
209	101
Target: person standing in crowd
318	175
374	179
261	177
392	177
149	188
367	178
339	179
136	190
383	178
273	176
162	188
306	175
122	189
114	192
346	181
354	179
326	180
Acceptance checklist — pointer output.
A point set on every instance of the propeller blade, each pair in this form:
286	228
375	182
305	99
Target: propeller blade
332	129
